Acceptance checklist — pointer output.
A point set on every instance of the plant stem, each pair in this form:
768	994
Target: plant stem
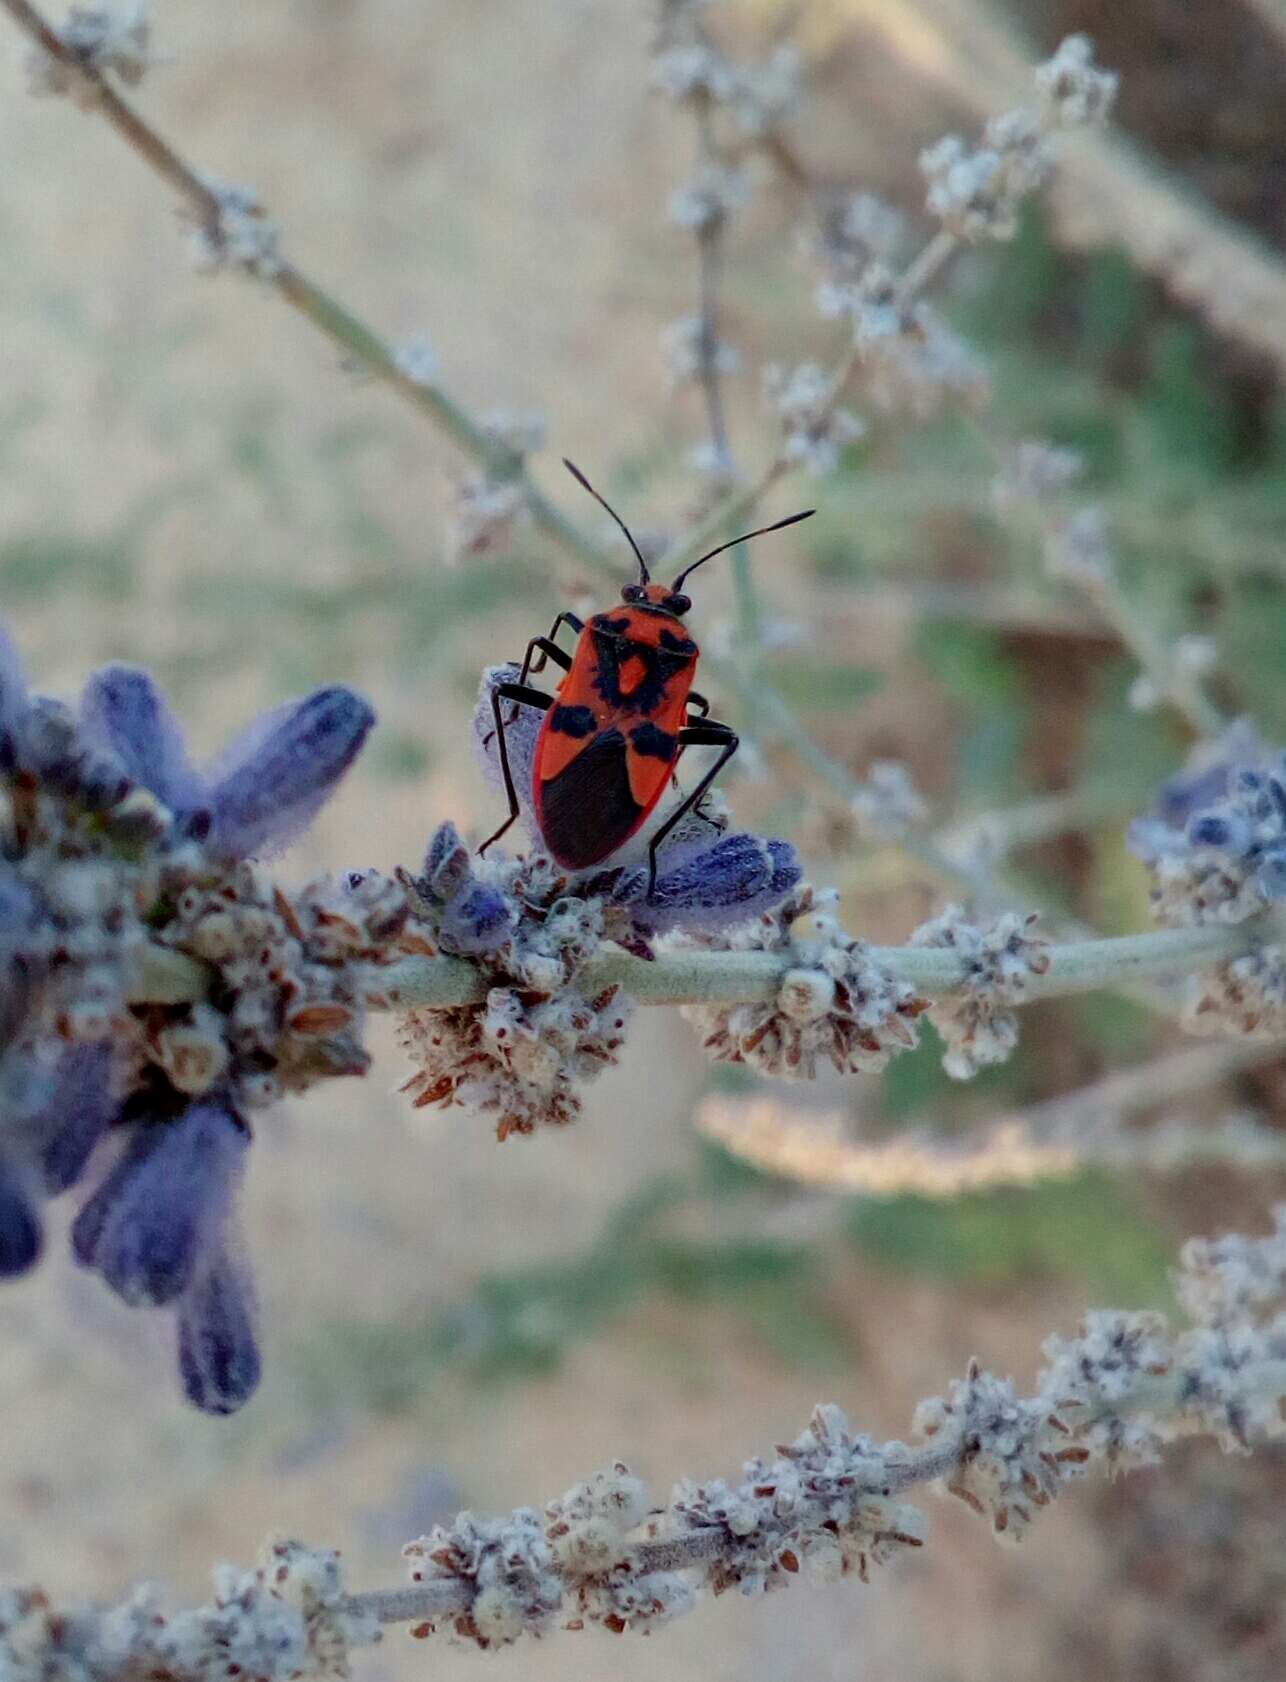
705	977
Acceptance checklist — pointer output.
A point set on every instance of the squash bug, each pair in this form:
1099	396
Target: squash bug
619	722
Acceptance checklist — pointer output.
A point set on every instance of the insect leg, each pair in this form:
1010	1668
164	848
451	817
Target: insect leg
710	733
549	650
522	695
695	700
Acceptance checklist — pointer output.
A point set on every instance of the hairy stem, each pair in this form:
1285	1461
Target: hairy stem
704	977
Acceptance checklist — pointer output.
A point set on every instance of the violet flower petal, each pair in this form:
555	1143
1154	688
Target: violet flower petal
218	1351
21	1237
76	1115
123	709
477	919
13	694
149	1225
274	779
733	879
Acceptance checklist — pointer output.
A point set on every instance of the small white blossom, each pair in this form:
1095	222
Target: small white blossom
765	95
888	804
815	430
239	235
1075	94
521	433
1034	474
833	1004
507	1567
687	352
1004	1470
1000	960
417	359
106	39
714	194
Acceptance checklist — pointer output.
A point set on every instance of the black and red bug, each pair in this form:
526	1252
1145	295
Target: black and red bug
619	721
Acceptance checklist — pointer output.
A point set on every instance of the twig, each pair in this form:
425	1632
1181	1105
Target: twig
706	977
1058	1137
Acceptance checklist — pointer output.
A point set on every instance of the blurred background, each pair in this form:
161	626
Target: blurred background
190	481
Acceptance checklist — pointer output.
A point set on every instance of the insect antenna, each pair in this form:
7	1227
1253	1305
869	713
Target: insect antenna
645	576
762	531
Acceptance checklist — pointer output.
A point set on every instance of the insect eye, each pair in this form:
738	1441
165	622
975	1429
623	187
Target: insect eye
632	593
678	604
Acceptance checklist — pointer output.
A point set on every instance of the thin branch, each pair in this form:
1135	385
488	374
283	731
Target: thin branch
827	1151
704	977
1166	1398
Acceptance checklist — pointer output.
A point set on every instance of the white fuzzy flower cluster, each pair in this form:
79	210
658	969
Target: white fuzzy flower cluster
765	95
834	1004
1028	491
687	353
1033	475
587	1530
976	194
1000	958
1111	1355
523	1051
689	68
715	193
490	509
240	234
814	429
519	431
417	360
290	981
888	804
1246	997
1073	91
506	1569
525	1574
914	364
819	1508
284	1621
105	39
1234	1278
1004	1470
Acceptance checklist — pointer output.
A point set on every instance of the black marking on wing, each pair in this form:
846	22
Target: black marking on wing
587	810
613	627
653	742
572	721
677	644
660	666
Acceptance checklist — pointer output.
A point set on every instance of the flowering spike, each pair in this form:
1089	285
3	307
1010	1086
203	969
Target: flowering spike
218	1351
124	710
149	1224
20	1233
274	779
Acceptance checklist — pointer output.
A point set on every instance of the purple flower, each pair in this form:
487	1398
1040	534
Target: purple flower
474	916
152	1226
20	1231
124	710
265	789
75	1115
13	696
217	1350
704	889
